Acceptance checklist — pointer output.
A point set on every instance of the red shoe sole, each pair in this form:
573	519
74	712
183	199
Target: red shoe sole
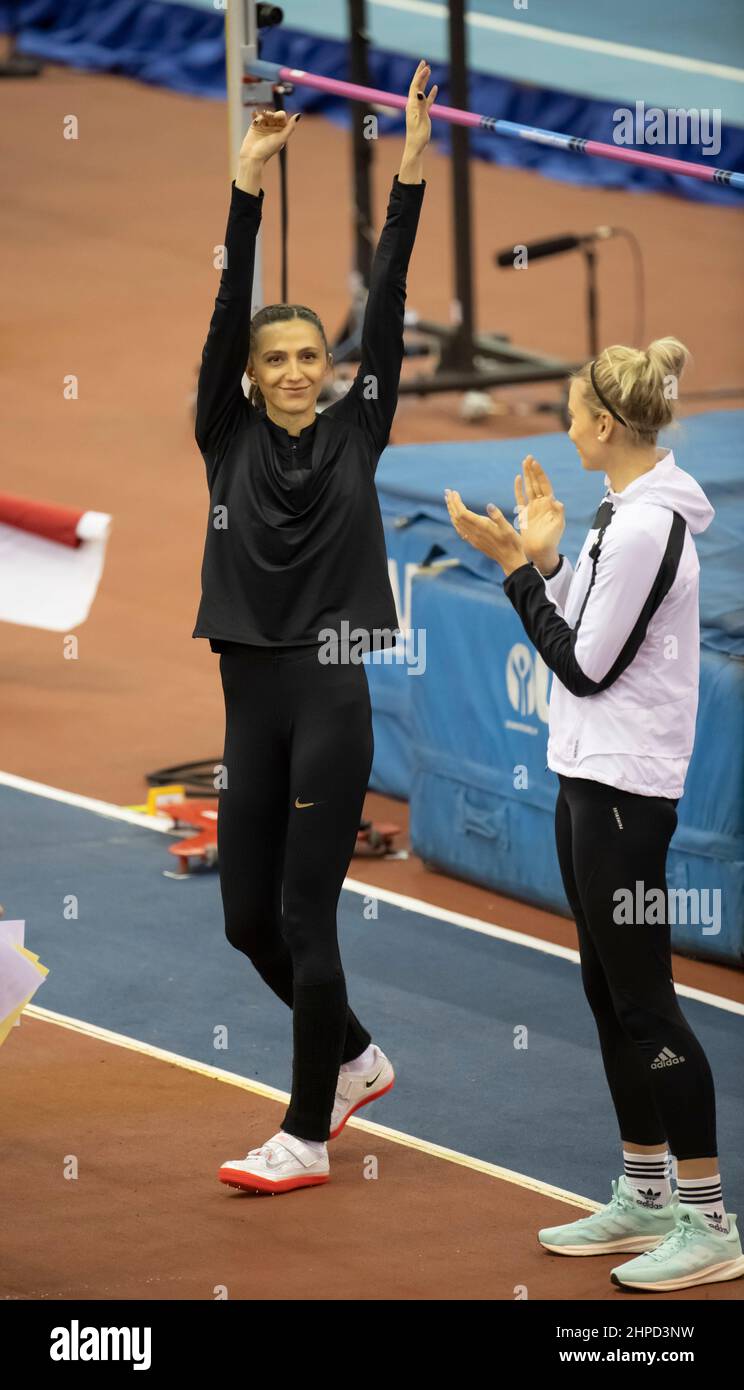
231	1177
365	1100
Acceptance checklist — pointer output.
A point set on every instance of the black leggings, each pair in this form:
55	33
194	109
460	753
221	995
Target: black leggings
298	754
609	840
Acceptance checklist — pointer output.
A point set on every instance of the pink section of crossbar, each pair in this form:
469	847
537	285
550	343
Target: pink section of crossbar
352	91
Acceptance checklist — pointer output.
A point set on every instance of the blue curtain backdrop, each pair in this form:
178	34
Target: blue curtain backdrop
178	46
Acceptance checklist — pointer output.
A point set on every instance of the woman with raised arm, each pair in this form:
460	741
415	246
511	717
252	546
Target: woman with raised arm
621	634
294	556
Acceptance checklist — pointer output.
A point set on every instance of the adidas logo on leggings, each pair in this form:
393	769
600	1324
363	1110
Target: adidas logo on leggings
666	1058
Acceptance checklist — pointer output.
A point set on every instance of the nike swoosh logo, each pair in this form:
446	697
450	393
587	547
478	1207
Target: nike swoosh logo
300	804
374	1079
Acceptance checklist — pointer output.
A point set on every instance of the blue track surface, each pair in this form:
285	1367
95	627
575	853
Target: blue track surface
147	957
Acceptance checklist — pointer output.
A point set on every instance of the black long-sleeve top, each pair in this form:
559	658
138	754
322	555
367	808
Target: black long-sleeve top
295	543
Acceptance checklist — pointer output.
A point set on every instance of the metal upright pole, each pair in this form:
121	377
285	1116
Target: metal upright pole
361	148
346	346
458	353
241	46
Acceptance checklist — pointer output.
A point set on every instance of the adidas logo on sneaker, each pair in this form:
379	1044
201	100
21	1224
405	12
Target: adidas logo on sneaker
649	1198
666	1058
715	1223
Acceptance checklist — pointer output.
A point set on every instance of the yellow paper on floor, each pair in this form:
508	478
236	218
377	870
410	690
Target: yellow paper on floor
21	973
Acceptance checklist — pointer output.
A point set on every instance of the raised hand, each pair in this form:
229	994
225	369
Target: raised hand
540	515
266	134
418	121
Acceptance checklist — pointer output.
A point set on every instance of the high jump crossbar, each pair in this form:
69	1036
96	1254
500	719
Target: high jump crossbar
259	70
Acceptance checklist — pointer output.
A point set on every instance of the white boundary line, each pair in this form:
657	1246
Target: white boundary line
533	943
353	885
410	1141
85	803
540	34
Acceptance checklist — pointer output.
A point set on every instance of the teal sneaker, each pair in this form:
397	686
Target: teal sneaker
621	1226
692	1254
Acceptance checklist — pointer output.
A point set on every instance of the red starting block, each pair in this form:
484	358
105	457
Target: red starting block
374	839
203	816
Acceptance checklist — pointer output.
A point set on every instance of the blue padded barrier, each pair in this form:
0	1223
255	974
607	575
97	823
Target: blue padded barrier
411	543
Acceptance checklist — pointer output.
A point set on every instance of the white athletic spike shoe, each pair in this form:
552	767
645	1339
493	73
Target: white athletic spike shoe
356	1089
282	1163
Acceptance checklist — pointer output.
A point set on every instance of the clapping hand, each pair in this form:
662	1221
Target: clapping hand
541	516
492	534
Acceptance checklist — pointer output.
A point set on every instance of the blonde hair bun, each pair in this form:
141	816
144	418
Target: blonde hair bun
668	357
642	387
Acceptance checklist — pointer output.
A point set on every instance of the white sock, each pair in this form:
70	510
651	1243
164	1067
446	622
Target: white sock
317	1147
363	1062
649	1177
704	1194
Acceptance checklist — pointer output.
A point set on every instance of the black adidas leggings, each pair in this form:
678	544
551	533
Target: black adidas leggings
298	754
658	1074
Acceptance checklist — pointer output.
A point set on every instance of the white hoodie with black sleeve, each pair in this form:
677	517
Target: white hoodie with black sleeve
621	633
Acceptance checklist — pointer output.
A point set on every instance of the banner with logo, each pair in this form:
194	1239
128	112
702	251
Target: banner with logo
481	795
